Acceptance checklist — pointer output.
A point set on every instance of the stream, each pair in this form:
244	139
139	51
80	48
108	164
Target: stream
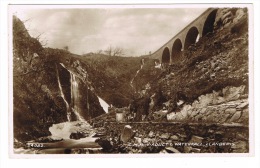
70	136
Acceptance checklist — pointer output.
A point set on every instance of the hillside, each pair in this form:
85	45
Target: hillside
201	95
42	84
217	61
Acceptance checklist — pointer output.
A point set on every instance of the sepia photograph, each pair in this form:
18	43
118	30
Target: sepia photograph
130	79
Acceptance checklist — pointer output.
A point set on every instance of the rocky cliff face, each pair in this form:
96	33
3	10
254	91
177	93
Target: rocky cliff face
36	100
213	68
229	105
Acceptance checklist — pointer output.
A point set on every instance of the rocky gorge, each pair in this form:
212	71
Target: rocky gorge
196	105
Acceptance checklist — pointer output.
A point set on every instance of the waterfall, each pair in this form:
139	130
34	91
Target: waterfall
63	96
142	64
75	101
103	104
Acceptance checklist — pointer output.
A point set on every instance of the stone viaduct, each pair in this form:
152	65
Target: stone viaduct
172	51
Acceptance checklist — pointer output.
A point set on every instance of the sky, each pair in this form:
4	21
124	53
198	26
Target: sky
137	31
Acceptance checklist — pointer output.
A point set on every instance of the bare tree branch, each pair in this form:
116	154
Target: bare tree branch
114	51
118	51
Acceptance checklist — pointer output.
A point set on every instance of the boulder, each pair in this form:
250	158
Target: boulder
105	144
172	150
196	139
187	149
77	135
165	136
236	116
174	138
195	150
151	134
127	133
185	110
171	116
179	117
138	140
146	140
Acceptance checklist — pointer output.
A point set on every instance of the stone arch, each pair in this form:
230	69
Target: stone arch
176	50
166	56
209	23
191	37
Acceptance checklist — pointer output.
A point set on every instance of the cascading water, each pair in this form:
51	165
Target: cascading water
63	96
103	104
64	130
75	102
142	64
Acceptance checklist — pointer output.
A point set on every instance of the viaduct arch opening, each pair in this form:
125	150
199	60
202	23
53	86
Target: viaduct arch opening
191	37
176	50
209	23
166	56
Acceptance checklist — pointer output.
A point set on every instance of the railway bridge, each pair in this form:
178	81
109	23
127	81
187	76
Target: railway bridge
172	51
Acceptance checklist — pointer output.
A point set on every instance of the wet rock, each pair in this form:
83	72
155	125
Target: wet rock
48	139
127	133
77	135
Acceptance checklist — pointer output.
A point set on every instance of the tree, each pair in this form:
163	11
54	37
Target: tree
109	51
118	51
114	51
99	52
66	48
